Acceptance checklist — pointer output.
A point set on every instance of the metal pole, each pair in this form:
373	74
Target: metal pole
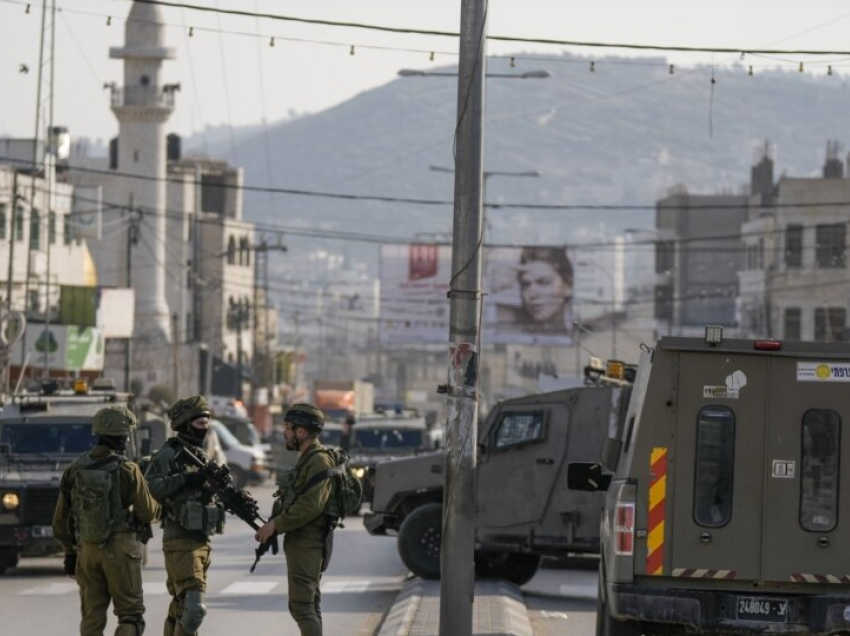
131	240
457	549
50	174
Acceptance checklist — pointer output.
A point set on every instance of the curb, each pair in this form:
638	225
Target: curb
498	610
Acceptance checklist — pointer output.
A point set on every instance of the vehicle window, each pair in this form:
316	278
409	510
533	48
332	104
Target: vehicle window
819	467
714	466
227	439
330	437
47	438
388	438
518	428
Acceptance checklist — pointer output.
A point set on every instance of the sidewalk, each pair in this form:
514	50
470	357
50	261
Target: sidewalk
498	610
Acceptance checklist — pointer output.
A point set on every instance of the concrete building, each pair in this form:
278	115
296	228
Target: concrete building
794	283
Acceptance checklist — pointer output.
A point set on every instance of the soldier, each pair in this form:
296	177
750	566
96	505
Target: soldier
191	515
102	518
307	541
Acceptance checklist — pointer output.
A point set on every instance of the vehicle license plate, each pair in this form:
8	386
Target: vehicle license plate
752	608
42	531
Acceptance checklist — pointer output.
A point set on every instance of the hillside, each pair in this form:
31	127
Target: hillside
621	135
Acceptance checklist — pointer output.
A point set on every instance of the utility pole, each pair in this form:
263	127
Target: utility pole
132	239
175	354
457	548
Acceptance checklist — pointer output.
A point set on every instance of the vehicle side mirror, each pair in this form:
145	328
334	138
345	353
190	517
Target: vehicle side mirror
587	476
145	447
610	455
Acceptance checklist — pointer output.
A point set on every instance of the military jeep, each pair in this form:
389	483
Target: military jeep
41	433
727	509
523	508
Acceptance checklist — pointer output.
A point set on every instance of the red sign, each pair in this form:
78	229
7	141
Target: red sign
422	262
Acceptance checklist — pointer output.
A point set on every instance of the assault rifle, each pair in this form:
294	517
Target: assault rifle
236	501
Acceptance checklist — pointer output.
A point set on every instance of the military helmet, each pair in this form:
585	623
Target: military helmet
306	415
115	420
187	409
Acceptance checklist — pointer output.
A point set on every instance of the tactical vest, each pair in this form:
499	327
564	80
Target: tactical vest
193	509
96	499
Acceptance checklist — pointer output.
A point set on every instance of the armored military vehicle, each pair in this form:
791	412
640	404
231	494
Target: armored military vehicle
41	432
523	509
377	437
726	508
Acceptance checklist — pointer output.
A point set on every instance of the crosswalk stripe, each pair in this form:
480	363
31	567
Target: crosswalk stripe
249	588
51	589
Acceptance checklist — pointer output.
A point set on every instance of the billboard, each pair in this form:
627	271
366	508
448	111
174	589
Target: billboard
61	347
528	295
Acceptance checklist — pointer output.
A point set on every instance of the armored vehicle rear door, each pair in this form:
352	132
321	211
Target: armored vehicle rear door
519	463
755	479
715	476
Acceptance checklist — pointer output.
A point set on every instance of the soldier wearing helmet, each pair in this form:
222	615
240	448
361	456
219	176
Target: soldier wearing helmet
191	514
101	519
300	517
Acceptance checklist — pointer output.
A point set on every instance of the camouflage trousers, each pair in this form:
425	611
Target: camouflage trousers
303	550
186	565
111	573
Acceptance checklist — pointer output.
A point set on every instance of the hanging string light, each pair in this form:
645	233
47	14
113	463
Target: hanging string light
513	62
109	20
27	10
351	50
671	69
191	31
829	70
800	70
750	72
592	66
431	57
271	42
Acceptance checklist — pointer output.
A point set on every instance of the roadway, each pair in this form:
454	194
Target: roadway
357	591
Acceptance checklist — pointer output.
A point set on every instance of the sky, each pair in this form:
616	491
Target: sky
230	75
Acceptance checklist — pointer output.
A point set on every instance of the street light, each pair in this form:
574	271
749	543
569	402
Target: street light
613	302
412	72
486	174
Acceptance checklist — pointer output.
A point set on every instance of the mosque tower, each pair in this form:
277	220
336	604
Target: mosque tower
142	107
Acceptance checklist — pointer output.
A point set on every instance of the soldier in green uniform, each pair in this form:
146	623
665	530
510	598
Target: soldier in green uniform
302	519
190	515
102	517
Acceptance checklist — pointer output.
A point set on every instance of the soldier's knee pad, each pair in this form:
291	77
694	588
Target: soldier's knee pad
194	611
130	626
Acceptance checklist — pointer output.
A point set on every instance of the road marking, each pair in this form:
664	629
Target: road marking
51	589
250	588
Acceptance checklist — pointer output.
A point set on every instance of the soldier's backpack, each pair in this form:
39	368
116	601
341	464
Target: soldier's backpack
97	500
347	492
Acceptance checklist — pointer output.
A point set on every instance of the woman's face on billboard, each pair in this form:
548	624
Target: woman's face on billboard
544	292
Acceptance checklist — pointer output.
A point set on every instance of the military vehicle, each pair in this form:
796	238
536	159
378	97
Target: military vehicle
726	510
41	432
377	437
523	510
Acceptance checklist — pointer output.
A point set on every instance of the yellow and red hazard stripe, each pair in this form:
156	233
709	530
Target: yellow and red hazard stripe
657	504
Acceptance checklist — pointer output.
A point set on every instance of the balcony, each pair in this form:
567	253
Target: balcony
142	96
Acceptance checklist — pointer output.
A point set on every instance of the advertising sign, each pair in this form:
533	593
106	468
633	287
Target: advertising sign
61	347
528	295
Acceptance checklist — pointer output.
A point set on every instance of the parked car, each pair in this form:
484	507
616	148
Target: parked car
247	463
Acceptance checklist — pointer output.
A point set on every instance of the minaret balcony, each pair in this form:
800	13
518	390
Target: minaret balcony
143	96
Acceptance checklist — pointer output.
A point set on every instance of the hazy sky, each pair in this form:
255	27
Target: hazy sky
229	74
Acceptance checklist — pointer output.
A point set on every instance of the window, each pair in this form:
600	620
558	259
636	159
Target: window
35	229
830	323
715	458
51	228
518	428
2	220
819	470
231	251
66	230
830	245
665	256
19	224
794	246
793	324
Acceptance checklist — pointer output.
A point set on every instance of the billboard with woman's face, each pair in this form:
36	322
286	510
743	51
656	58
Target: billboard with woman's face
528	295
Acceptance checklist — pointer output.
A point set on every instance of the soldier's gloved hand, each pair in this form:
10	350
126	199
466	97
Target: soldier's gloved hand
70	564
195	479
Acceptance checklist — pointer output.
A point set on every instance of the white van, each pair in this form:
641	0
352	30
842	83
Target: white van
247	463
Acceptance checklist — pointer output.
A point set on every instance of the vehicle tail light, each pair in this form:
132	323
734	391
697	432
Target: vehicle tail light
624	529
767	345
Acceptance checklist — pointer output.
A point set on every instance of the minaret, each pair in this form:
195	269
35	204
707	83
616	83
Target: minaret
142	108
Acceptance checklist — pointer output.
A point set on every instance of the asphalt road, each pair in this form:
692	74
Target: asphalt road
358	589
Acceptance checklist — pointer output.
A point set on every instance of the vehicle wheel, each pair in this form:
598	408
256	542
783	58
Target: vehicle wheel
240	479
516	568
8	559
419	540
606	625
